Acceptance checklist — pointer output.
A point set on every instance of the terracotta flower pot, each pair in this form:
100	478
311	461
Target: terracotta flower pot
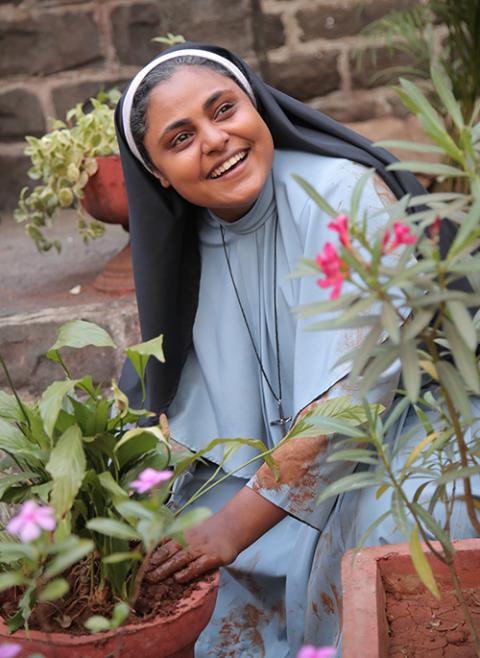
164	637
388	613
105	198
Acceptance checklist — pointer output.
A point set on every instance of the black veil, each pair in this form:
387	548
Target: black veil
162	224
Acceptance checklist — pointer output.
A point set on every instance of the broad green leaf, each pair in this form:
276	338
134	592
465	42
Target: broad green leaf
97	624
13	441
12	579
9	407
462	320
410	369
451	380
464	358
67	467
421	564
312	192
113	488
6	481
113	528
120	613
137	442
141	353
116	558
188	520
75	553
52	400
80	333
54	590
131	508
349	483
12	551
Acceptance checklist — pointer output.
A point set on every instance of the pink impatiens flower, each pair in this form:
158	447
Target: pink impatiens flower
340	225
334	269
311	652
31	520
401	236
149	478
9	650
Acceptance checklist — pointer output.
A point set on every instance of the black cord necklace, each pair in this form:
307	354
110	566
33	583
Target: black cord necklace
282	420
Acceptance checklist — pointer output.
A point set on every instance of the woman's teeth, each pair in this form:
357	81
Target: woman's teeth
228	164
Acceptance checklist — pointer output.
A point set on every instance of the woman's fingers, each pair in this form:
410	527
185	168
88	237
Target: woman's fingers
196	568
164	552
171	566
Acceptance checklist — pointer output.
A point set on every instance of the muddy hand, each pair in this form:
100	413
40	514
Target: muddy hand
208	547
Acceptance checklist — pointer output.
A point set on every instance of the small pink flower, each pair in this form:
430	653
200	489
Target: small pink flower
401	235
340	225
9	649
31	520
149	478
309	651
334	269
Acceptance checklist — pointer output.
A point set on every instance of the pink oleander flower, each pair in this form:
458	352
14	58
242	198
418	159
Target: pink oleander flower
401	235
150	478
309	651
31	520
435	229
340	225
9	649
334	269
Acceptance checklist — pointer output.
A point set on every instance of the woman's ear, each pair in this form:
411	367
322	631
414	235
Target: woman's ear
164	182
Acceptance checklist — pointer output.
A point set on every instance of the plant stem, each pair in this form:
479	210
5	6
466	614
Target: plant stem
139	578
464	606
12	387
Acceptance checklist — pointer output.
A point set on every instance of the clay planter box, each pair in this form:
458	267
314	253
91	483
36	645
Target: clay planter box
105	198
164	637
388	613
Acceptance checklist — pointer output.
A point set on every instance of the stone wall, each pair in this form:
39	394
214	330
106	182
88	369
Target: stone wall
55	53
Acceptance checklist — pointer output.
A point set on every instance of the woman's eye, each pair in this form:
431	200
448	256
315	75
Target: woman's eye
224	109
179	139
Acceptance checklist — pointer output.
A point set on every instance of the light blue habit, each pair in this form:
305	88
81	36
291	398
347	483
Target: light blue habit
283	591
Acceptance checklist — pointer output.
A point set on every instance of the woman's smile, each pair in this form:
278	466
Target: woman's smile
207	140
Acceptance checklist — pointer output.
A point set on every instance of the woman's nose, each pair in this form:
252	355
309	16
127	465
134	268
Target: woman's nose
213	139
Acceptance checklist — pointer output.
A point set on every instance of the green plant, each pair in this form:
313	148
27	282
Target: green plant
416	313
412	32
62	162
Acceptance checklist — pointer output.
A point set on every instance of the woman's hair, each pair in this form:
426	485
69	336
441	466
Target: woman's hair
162	73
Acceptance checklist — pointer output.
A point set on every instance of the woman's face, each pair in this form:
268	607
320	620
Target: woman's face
207	140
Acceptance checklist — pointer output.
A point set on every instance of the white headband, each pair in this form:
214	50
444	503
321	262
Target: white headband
206	54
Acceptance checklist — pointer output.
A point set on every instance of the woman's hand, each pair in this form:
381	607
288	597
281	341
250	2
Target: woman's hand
217	541
209	546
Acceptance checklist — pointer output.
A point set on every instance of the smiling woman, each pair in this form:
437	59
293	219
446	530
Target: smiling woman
217	223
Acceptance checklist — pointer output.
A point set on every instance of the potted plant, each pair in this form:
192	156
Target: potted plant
91	484
420	310
76	165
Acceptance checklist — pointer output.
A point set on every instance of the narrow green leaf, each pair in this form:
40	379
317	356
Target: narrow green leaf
410	369
462	320
450	379
335	426
63	561
312	192
357	193
112	528
416	324
458	474
116	558
109	484
12	579
131	508
399	514
11	552
434	169
349	483
8	480
464	358
410	146
441	82
54	590
433	527
188	520
67	467
391	322
360	455
421	564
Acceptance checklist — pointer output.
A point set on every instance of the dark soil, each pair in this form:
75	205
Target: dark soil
68	614
421	626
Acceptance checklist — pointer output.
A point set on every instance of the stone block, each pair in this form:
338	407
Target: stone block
20	114
67	95
358	105
305	76
13	176
25	338
209	21
49	42
377	68
335	20
273	31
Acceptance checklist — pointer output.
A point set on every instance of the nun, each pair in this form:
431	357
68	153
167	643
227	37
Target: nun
217	224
